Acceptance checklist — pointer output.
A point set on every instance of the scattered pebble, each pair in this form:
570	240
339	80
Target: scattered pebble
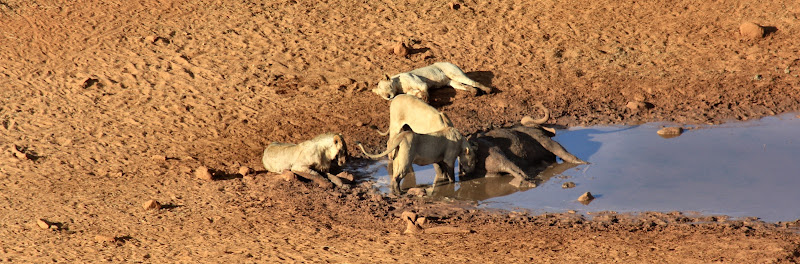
203	174
413	223
288	175
43	224
159	158
102	238
244	170
419	192
636	105
751	30
586	198
568	185
184	169
346	175
151	205
670	132
400	49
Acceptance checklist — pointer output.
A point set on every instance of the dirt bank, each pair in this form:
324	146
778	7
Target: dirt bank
105	105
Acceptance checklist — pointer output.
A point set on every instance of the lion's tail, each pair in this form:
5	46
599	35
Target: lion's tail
382	133
372	156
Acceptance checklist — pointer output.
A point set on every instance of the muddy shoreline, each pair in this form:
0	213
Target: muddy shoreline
107	105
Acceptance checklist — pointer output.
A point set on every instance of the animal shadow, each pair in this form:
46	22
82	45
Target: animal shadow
223	176
769	30
482	77
444	97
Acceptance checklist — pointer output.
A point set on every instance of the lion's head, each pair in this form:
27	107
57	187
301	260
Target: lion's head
468	159
385	88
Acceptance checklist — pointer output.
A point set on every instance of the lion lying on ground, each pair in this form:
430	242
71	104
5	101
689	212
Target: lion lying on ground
440	148
417	82
311	157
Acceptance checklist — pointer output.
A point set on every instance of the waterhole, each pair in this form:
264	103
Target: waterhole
742	169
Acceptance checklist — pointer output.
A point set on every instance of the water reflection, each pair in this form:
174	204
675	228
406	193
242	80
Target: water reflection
737	169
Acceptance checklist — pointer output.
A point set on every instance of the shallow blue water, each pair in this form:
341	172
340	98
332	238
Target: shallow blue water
737	169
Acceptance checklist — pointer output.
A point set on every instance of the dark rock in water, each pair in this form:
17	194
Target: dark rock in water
568	185
586	198
670	132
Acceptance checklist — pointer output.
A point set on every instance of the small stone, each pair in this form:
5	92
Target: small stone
751	30
43	224
244	170
203	174
102	238
346	175
158	158
418	192
454	6
568	185
670	132
586	198
757	77
359	123
288	175
500	104
400	49
636	105
184	169
413	223
151	205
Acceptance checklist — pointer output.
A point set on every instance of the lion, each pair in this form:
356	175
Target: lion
407	110
311	157
417	82
440	148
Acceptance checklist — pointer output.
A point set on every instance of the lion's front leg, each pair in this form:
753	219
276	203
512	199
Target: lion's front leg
414	86
444	172
312	175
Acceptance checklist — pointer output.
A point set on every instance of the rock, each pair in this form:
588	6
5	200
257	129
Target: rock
751	30
103	238
586	198
454	6
568	185
151	205
522	184
244	170
203	174
43	223
413	223
184	169
500	104
636	105
288	175
158	158
670	132
419	192
400	49
346	175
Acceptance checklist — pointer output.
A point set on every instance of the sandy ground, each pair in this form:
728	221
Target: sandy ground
105	105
